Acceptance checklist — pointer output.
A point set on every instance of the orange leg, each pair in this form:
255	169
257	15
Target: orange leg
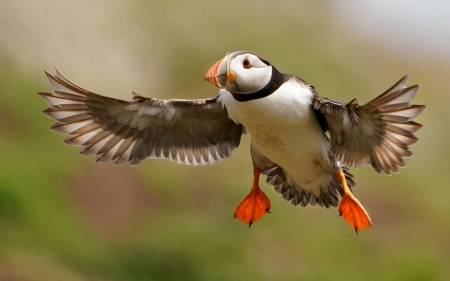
351	209
255	204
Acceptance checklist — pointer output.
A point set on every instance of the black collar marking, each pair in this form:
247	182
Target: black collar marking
275	82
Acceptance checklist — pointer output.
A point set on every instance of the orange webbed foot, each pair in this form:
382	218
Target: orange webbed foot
351	209
254	205
354	213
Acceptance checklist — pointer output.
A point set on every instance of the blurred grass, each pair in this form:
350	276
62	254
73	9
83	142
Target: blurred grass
187	231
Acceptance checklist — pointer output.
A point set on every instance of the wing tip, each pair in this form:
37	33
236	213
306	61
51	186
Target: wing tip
404	79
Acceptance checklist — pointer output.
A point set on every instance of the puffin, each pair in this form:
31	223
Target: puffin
303	143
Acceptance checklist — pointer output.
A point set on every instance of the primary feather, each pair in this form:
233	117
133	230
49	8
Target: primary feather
186	131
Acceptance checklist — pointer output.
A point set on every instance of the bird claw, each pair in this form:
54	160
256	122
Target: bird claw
254	205
351	209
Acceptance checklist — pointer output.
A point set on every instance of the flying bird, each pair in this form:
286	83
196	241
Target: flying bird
304	143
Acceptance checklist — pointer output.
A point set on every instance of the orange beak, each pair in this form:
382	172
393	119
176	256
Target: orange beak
213	73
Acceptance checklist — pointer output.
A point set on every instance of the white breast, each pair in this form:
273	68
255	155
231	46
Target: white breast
283	126
289	103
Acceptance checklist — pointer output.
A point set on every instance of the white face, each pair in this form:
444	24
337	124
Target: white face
251	74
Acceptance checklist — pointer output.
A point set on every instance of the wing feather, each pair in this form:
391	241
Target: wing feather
378	133
186	131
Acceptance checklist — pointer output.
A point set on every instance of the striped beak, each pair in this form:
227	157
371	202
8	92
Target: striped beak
217	74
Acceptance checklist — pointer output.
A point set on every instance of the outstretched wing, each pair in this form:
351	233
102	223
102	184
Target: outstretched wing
377	133
186	131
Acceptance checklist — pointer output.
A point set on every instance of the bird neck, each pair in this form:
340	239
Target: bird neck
276	80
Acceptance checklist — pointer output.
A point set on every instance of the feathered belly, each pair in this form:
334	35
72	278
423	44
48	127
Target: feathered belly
284	128
300	150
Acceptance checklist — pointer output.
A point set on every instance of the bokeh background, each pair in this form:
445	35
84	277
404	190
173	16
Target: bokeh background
63	217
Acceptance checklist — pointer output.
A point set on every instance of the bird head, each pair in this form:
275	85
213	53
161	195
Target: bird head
240	72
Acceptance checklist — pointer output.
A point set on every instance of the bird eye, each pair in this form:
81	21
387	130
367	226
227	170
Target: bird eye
246	63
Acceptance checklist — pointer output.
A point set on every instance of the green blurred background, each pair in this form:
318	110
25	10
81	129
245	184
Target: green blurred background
63	217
